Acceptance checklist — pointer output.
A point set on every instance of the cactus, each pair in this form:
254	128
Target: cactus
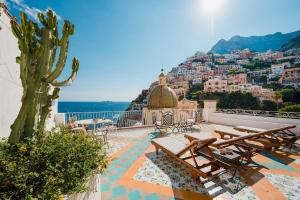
38	44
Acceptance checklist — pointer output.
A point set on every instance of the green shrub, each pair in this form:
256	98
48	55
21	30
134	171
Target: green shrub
49	164
291	108
269	105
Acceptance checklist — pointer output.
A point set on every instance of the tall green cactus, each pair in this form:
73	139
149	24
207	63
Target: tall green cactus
38	44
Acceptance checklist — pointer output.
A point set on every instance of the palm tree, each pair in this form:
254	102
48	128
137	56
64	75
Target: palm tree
277	96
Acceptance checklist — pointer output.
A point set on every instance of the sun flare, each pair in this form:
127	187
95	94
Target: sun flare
211	6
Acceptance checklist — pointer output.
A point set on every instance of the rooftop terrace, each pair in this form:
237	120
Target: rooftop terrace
136	172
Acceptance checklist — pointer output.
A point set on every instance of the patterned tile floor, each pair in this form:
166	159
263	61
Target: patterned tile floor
136	172
115	146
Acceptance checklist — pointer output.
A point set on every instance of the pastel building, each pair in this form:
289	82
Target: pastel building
197	80
215	85
291	76
245	53
266	94
233	88
243	62
237	79
221	69
277	69
180	85
258	91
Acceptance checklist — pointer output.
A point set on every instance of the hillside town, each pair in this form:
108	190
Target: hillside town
258	73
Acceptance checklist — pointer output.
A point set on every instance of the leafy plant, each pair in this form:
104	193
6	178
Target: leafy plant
269	105
48	165
234	100
277	96
290	108
257	65
290	95
38	46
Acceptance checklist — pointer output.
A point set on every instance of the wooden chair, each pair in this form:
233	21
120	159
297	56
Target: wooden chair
236	144
233	151
284	135
271	138
188	155
260	137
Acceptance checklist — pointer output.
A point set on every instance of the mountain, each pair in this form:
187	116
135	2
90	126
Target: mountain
255	43
292	44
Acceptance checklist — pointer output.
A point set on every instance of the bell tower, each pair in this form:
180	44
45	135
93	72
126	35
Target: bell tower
162	78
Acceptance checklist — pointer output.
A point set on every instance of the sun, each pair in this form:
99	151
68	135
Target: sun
211	6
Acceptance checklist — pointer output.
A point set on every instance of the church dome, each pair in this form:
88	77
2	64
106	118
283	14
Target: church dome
162	96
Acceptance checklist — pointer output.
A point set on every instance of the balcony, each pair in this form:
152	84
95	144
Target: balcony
136	172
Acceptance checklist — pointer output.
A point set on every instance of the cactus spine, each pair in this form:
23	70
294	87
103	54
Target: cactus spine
38	71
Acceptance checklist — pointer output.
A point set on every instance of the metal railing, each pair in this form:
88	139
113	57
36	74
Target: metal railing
262	113
138	118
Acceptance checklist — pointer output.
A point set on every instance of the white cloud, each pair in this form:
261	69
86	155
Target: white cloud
31	11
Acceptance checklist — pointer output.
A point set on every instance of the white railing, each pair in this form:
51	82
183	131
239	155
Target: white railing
138	118
277	114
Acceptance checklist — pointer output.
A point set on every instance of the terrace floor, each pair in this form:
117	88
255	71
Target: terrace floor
136	172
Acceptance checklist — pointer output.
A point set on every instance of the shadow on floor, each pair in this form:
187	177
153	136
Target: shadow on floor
167	171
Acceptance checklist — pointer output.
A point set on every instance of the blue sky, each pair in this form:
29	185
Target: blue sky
122	44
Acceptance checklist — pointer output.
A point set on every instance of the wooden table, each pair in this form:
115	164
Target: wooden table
233	158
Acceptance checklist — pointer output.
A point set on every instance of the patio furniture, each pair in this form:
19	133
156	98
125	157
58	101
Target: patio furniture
74	128
265	137
283	135
236	144
179	126
79	129
256	130
94	122
167	121
248	129
190	123
103	133
188	155
157	123
230	132
112	129
234	151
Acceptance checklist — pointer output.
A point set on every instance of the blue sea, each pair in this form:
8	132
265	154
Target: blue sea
67	106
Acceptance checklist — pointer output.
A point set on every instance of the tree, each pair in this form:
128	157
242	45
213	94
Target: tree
269	105
263	79
288	95
38	47
277	96
274	86
235	100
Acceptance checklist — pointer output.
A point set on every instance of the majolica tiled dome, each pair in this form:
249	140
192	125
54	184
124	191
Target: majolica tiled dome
162	96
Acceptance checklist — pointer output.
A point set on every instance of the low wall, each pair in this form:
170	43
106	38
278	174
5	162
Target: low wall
252	121
94	193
